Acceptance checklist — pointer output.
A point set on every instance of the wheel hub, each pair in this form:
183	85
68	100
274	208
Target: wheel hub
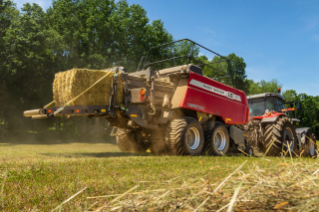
289	138
220	140
193	138
251	152
312	149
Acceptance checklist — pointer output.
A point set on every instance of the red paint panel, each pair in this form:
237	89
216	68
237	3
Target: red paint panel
202	99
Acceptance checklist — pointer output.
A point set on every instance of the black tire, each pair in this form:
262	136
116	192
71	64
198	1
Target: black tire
310	147
128	141
249	150
279	133
185	136
216	140
158	143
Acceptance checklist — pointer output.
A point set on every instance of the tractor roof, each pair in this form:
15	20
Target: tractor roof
261	95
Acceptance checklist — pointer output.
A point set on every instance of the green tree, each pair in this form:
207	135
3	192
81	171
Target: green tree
87	35
263	86
99	34
239	73
175	54
309	113
238	67
29	67
290	95
72	33
8	14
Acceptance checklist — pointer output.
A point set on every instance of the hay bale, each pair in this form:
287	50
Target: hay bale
69	84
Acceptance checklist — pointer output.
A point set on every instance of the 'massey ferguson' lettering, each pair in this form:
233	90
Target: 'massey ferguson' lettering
207	87
195	106
213	89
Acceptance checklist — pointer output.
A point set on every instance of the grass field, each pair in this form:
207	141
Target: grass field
39	177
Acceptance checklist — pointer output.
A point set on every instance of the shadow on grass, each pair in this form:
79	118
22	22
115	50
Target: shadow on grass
121	154
54	142
96	155
49	139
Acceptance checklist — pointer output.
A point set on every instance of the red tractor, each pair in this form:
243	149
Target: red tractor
170	109
272	126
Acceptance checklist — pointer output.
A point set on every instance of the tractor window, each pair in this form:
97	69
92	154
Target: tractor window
280	105
256	107
270	103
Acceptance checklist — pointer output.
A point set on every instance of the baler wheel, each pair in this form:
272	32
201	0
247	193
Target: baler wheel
310	148
279	133
216	140
185	136
127	142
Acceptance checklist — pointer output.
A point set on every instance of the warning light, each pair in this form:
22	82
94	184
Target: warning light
279	89
142	95
49	111
77	111
143	92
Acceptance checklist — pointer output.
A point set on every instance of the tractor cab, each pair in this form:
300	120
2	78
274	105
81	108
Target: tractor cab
261	104
268	109
268	105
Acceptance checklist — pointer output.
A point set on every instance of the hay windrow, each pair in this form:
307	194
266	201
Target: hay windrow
67	85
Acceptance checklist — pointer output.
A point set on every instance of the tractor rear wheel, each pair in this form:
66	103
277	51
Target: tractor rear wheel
280	135
128	141
216	140
185	136
310	147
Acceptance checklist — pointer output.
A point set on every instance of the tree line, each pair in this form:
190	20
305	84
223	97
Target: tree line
95	34
36	44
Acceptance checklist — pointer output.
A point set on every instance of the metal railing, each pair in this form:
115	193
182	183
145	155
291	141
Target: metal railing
190	57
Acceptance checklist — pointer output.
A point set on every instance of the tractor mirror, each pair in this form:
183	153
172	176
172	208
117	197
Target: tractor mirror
298	106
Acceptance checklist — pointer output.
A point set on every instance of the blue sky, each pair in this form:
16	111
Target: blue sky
277	39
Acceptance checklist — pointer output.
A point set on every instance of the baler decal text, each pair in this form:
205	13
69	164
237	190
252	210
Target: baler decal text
195	106
213	89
